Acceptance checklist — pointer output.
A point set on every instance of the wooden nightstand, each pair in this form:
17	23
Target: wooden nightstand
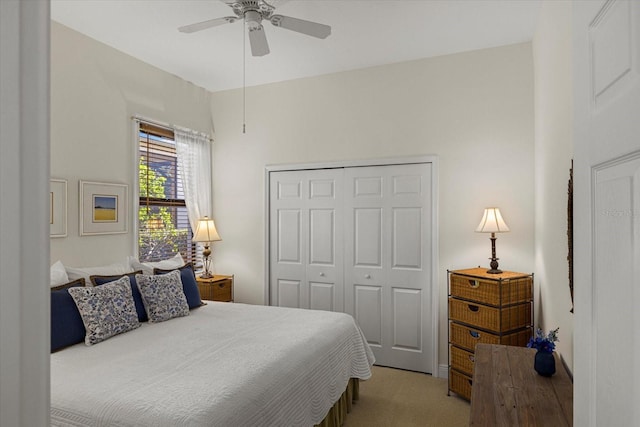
217	288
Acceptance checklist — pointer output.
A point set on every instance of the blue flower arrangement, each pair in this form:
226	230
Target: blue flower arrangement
544	343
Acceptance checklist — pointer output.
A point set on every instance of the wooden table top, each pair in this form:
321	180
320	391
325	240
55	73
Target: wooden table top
482	272
507	391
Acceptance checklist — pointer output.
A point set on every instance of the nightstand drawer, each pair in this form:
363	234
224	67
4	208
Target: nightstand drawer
490	318
460	383
218	288
462	360
491	292
467	338
221	290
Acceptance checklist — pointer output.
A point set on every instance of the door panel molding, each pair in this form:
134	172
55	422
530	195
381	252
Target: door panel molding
368	312
321	296
289	293
289	250
407	334
406	247
321	250
368	244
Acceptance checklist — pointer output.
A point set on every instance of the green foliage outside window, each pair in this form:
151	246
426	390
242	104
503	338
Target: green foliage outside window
158	236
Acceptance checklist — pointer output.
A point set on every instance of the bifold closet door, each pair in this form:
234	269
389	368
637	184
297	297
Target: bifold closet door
388	256
306	248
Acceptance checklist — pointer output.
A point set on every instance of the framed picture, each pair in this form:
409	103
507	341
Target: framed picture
57	207
103	208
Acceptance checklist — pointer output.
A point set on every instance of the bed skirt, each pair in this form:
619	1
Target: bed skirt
338	412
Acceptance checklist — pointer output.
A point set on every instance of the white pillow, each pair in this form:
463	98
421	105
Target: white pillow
104	270
58	274
147	267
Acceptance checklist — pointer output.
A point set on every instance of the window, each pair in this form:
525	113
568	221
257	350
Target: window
163	223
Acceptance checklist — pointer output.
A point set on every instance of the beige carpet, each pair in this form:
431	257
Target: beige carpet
397	398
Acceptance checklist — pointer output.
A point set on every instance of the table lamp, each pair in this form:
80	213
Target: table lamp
206	233
493	223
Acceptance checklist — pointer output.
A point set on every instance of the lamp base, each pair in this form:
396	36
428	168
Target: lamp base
494	266
206	260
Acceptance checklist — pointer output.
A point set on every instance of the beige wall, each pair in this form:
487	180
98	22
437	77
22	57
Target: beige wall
554	150
94	92
473	110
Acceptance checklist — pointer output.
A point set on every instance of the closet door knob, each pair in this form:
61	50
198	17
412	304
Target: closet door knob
321	274
367	276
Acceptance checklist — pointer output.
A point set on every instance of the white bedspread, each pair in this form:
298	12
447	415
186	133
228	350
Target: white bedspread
228	365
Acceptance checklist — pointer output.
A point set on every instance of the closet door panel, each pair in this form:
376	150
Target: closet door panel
306	239
324	267
287	244
386	245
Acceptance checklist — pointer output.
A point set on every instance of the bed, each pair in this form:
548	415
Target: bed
222	365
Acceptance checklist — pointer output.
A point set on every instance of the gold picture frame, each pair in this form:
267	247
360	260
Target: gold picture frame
57	207
103	208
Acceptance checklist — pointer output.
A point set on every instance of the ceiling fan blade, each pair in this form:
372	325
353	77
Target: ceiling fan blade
207	24
258	40
309	28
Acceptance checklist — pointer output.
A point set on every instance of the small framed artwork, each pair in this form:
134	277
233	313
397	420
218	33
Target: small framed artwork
103	208
57	207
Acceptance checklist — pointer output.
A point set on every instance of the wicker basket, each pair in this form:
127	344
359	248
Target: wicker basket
491	292
460	384
489	318
467	337
462	360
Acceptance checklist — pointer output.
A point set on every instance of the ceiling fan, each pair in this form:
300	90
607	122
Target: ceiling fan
253	12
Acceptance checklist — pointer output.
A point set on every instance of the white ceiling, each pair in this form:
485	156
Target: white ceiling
364	34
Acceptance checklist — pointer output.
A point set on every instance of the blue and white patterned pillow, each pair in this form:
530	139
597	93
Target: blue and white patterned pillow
106	310
163	296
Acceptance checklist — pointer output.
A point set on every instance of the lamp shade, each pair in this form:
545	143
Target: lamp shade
492	222
206	231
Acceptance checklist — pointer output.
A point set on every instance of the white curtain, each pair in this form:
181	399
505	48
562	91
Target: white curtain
194	165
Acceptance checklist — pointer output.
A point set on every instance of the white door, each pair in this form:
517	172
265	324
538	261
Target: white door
388	261
607	213
306	239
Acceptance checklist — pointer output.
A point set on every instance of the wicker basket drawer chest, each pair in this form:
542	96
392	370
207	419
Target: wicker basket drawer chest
489	309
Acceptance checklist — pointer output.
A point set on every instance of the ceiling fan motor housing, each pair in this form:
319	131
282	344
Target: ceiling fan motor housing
252	19
241	8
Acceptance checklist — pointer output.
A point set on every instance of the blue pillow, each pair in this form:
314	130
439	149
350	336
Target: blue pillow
67	327
137	298
189	284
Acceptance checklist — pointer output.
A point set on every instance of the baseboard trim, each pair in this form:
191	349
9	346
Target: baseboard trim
443	371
